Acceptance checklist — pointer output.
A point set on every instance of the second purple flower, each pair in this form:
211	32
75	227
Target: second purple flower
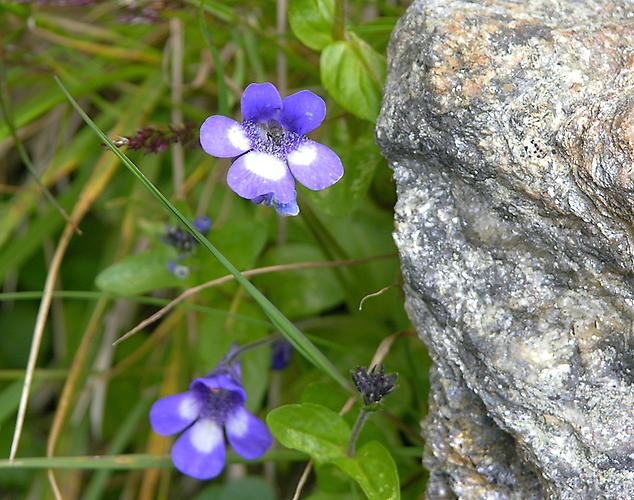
213	403
271	148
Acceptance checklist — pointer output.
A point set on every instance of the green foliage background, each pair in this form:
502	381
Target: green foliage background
114	273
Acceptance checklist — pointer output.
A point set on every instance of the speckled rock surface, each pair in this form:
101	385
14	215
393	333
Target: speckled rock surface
510	129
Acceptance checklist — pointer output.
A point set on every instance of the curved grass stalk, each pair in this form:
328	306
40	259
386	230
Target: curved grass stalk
230	277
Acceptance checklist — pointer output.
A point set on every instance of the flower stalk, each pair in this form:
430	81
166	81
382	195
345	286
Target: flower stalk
356	430
373	385
339	27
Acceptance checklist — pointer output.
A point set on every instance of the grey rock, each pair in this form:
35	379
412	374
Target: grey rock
510	129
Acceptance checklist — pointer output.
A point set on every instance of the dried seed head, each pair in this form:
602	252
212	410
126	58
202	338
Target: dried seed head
373	385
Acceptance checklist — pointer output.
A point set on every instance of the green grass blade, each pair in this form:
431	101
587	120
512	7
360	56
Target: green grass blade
46	100
217	9
143	461
299	341
134	461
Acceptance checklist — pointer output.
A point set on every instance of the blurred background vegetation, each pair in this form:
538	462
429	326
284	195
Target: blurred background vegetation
166	66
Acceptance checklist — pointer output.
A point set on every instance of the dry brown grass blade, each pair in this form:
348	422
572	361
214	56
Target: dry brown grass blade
96	184
251	272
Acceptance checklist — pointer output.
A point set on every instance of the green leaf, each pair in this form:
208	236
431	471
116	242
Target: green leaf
300	293
312	21
332	479
311	428
325	394
245	488
324	434
138	274
353	73
256	366
374	469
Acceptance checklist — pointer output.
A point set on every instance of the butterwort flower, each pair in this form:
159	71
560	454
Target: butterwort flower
212	404
271	147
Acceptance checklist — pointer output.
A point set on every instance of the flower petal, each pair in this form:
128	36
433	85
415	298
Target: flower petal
260	101
257	173
303	111
200	451
315	165
267	199
221	381
223	137
247	434
172	414
287	209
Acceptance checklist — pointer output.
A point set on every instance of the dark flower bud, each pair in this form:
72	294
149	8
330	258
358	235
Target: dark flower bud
373	385
281	354
181	240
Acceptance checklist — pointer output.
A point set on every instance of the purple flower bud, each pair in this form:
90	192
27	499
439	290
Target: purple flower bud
282	352
202	223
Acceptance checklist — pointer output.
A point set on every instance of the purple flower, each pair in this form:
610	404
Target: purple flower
271	148
213	402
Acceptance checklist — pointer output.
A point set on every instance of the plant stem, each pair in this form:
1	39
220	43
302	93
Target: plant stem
339	28
356	430
250	346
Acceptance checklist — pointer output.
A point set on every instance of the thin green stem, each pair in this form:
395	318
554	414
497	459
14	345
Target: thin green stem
356	430
250	346
339	27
